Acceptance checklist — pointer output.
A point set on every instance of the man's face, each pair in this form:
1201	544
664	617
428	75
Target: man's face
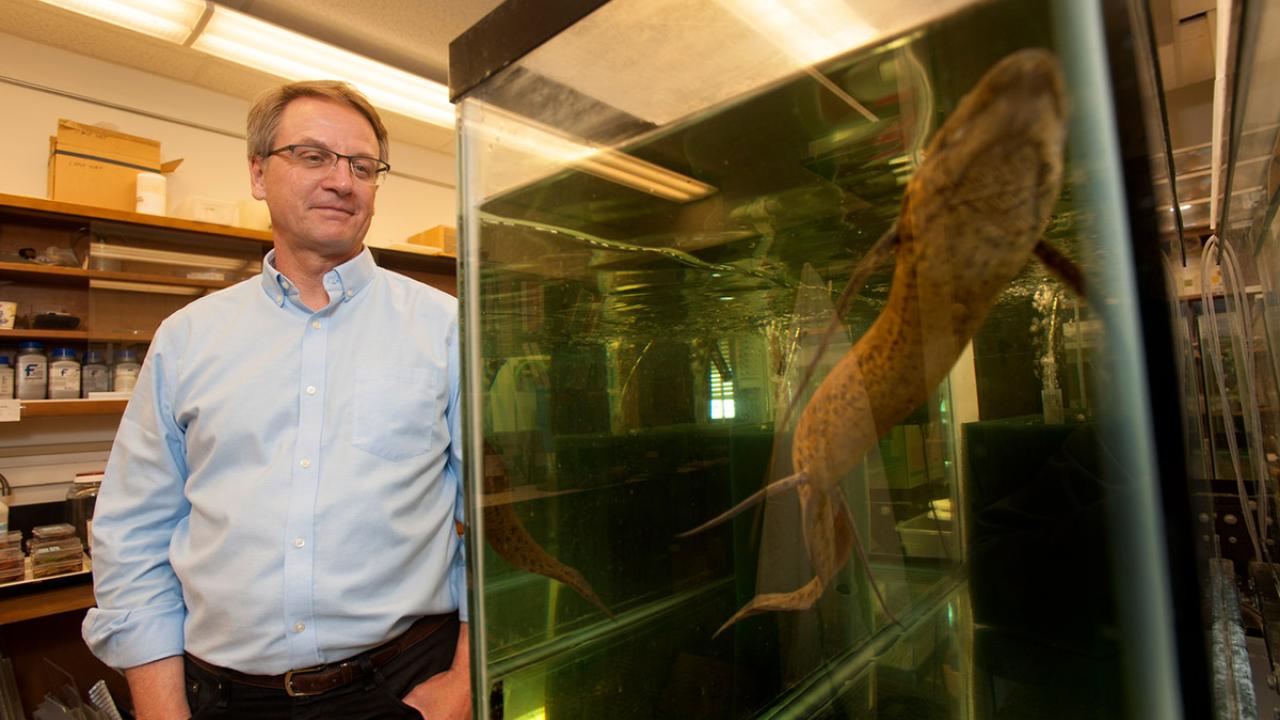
327	211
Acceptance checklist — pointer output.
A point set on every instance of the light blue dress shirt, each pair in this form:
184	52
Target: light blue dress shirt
284	485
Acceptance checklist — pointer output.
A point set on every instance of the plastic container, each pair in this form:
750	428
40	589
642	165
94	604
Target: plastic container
64	374
32	371
81	499
94	375
6	378
125	373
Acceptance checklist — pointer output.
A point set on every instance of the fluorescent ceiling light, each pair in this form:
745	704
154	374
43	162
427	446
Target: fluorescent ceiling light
260	45
171	20
270	48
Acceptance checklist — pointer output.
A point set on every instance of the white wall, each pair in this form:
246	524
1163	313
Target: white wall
35	454
214	165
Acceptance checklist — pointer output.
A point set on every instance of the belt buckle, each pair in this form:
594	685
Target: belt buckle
288	682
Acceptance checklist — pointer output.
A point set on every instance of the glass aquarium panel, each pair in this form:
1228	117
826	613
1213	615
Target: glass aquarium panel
810	384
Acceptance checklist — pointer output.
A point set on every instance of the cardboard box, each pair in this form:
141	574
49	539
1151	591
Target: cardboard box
440	237
95	166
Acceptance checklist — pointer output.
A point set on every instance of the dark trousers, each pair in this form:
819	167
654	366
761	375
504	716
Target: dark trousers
375	697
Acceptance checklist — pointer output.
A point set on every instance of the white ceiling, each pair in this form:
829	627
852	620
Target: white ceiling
411	34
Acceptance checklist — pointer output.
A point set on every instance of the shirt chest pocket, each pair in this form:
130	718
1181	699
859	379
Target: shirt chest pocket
394	411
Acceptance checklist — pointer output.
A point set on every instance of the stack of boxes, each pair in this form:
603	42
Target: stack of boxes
12	561
55	550
96	166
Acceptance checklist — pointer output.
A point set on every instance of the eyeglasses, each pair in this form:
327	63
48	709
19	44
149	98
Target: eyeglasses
366	169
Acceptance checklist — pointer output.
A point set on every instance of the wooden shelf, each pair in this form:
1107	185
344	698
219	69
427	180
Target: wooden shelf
70	408
43	273
76	335
29	334
157	279
46	601
22	204
119	336
77	276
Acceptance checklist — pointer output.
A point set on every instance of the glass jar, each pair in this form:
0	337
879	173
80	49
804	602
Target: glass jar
81	499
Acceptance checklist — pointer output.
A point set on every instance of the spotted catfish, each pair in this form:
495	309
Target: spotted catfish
971	218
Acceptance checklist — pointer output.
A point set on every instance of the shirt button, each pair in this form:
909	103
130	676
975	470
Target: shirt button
299	627
311	389
305	463
348	293
299	542
315	324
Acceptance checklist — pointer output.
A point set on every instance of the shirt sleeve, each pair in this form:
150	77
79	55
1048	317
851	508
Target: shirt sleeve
140	612
453	470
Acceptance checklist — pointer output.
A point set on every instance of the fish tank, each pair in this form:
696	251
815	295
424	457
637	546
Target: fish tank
816	364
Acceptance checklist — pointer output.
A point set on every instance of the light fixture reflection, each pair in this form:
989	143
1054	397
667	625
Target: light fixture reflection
504	130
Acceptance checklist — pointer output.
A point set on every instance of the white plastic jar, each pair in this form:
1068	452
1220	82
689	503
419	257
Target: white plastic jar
6	378
125	373
64	374
32	372
94	376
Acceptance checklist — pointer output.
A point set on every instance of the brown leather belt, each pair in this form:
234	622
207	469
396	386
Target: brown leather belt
323	678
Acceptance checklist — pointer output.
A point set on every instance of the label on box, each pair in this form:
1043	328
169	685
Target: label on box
10	410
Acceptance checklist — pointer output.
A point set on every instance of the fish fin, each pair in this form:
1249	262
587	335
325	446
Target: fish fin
508	537
801	599
1061	267
845	520
769	490
879	254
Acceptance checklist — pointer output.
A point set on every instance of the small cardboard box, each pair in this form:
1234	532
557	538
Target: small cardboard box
95	166
440	237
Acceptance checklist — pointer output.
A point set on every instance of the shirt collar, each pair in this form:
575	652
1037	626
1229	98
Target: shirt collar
343	282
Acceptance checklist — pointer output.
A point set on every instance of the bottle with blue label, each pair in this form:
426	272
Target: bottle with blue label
64	374
32	371
94	376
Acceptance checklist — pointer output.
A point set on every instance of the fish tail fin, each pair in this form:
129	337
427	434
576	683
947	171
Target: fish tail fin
801	599
769	490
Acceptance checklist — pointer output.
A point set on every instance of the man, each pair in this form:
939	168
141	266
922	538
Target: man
275	535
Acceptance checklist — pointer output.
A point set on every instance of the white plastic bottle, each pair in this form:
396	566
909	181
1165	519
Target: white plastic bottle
125	373
94	376
64	374
32	371
6	378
